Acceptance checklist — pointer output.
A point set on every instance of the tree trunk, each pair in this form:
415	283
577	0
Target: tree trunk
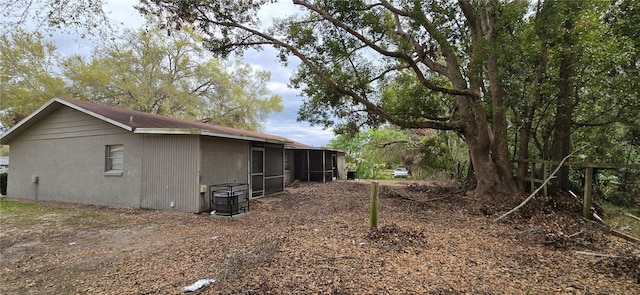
529	109
499	138
490	147
561	145
524	134
491	181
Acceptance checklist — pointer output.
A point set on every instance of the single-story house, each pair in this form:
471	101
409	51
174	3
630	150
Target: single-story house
83	152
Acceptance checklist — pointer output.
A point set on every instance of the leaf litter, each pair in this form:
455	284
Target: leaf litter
433	238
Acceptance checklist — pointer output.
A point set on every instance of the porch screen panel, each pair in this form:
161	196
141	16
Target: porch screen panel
316	169
273	185
274	161
274	169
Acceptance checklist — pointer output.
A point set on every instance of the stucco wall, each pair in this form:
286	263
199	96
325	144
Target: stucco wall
66	150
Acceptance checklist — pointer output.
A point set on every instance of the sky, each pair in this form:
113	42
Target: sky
282	124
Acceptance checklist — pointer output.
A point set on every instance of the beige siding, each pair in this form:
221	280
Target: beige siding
69	123
223	161
170	173
66	150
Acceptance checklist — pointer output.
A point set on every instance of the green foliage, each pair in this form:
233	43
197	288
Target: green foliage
399	98
619	187
27	75
170	75
435	154
373	150
146	71
374	153
16	207
547	74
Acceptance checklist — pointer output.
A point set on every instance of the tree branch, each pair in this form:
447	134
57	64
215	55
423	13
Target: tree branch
395	54
539	188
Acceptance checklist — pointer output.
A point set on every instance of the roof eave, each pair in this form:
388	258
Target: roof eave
193	131
7	136
98	116
15	130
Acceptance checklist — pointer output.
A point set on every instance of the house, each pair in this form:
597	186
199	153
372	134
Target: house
83	152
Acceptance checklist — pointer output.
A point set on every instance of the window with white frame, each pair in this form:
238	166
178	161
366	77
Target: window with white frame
115	158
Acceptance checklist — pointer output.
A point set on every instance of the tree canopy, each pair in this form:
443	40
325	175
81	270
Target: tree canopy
515	79
502	74
151	72
28	75
146	71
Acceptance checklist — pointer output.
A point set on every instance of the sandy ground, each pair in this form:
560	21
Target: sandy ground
314	239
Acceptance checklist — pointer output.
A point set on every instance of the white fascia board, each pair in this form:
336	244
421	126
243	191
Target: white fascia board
194	131
311	148
173	131
241	137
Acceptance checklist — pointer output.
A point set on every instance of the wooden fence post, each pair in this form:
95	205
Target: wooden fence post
373	209
588	192
545	173
532	175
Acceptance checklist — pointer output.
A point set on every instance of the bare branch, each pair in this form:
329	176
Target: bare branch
540	187
395	54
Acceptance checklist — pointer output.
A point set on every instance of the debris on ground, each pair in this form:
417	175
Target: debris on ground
432	238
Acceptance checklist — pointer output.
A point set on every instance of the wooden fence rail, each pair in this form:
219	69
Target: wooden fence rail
588	176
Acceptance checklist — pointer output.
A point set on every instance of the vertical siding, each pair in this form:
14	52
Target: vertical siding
170	173
223	161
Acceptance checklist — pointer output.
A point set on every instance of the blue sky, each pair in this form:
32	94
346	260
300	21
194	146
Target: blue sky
283	124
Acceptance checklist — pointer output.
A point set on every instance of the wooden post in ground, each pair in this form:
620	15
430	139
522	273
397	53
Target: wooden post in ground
532	175
373	209
545	172
588	192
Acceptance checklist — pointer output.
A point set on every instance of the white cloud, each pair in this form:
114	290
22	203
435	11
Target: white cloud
123	15
282	88
312	135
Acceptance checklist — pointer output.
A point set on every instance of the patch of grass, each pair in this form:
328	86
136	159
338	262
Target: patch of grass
25	213
10	206
22	213
614	216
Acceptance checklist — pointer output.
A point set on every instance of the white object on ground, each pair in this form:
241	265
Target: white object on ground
199	284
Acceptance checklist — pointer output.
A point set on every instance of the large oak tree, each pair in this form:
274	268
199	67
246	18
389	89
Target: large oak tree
349	48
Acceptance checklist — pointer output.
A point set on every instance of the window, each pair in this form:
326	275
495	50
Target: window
115	158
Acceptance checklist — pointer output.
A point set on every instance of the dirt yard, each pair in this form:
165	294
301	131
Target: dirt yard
314	239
